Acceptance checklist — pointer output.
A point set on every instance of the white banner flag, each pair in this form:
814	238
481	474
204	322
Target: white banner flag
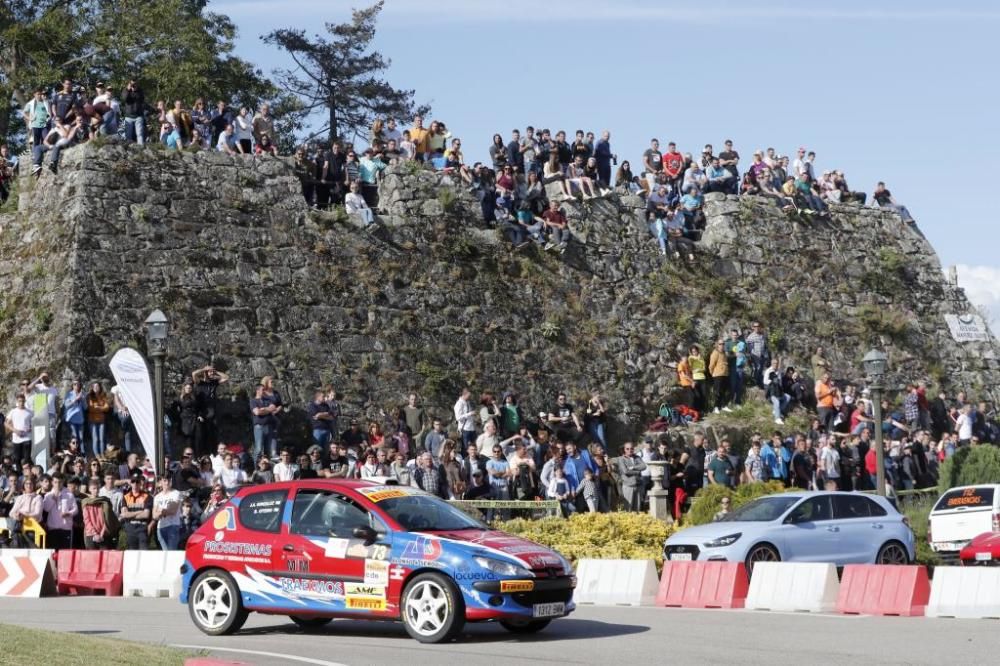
135	389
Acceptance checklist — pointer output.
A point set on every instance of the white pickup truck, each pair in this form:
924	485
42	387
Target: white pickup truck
960	515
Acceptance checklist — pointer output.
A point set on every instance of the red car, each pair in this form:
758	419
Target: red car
983	550
320	549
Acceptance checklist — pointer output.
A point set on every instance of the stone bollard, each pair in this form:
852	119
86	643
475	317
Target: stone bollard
659	504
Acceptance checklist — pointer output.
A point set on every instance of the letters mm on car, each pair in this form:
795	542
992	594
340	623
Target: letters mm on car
322	549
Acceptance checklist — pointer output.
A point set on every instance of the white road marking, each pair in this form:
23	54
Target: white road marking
287	657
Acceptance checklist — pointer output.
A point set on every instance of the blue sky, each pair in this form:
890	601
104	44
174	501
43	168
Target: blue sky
897	91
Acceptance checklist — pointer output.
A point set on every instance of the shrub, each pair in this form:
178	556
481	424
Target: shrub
919	514
970	466
620	535
706	503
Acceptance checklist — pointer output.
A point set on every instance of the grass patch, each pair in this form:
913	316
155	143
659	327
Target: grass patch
35	647
919	514
755	415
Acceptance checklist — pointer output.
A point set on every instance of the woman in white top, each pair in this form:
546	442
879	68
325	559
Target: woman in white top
552	172
244	131
356	205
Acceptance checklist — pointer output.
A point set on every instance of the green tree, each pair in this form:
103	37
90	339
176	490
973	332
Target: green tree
970	466
340	75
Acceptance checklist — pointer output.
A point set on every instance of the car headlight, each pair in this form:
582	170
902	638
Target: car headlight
501	567
721	542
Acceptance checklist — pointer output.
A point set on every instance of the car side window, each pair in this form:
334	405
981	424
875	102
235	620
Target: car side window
811	510
323	513
262	511
876	508
854	506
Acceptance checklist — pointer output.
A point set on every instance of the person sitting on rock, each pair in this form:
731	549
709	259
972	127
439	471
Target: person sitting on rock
694	178
356	205
692	205
555	222
677	239
719	178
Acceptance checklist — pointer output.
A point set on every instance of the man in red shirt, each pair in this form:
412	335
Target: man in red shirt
673	165
555	222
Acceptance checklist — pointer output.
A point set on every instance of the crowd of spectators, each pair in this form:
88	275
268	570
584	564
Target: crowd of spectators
74	114
99	487
520	190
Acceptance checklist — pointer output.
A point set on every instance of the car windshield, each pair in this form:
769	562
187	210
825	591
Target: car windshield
762	509
427	512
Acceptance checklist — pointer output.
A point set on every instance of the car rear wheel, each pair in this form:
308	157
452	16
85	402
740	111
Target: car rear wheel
310	623
762	552
432	608
215	605
524	626
892	552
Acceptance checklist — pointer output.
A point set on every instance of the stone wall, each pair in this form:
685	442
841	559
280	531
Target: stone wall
257	284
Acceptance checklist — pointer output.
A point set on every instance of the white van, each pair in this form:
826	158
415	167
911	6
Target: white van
960	515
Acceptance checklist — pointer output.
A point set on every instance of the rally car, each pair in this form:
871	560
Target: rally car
982	550
320	549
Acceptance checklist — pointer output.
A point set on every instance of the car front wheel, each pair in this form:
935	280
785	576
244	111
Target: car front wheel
432	608
524	626
762	552
892	552
215	605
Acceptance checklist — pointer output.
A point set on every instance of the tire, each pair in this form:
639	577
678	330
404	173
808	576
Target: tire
432	608
761	552
215	605
892	552
310	623
524	626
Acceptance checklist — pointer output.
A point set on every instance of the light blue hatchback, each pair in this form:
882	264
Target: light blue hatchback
836	527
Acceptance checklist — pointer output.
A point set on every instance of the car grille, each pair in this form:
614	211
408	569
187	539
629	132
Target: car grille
681	548
550	572
528	599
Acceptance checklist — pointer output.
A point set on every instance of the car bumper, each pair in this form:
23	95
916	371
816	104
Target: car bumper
695	550
498	599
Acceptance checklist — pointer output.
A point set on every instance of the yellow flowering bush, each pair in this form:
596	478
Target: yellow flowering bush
625	536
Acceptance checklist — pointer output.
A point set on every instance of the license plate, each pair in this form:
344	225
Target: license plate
680	557
548	610
984	557
948	546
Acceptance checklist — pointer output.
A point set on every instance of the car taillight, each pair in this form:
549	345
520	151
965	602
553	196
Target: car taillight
996	522
906	521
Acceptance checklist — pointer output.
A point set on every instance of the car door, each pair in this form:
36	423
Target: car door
321	544
809	532
859	531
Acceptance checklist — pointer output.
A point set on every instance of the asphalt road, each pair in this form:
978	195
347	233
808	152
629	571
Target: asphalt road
592	635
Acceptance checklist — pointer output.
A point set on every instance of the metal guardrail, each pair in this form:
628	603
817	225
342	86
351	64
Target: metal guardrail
551	507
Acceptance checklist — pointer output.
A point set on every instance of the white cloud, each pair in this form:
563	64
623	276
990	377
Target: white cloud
982	286
451	11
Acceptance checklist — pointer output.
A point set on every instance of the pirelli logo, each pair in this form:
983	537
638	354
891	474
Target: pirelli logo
365	603
510	586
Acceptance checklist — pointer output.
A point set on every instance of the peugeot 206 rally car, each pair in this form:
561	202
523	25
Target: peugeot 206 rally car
320	549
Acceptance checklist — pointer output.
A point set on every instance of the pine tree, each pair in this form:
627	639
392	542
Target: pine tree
340	75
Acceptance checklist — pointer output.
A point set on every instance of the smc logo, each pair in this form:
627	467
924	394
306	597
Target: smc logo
422	549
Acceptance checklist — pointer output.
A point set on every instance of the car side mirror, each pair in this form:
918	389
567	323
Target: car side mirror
366	534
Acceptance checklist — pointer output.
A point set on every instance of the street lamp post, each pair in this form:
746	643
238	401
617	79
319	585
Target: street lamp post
876	363
157	332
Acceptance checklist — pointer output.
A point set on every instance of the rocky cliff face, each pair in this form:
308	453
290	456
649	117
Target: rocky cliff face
257	284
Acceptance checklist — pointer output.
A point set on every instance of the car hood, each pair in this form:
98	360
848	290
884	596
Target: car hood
528	553
714	531
987	540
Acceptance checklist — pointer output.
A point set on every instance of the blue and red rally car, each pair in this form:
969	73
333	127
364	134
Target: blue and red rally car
320	549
